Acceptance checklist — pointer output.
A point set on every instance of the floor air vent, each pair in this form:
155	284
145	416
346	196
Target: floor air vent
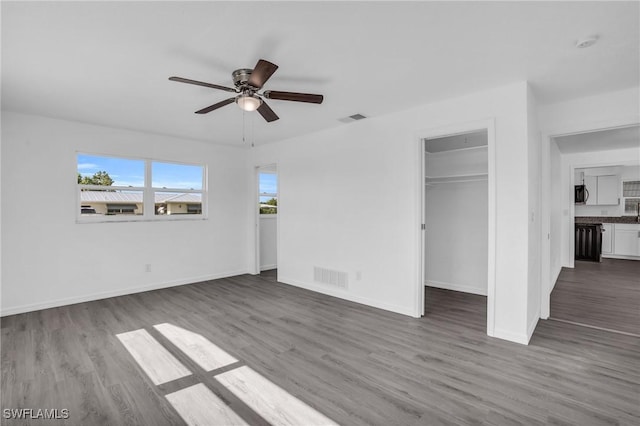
331	277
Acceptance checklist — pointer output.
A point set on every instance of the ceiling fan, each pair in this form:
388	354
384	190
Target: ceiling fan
248	83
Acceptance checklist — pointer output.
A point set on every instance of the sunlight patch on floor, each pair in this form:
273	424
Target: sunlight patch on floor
198	406
201	350
273	403
153	358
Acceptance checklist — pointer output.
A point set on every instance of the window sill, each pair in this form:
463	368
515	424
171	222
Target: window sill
169	218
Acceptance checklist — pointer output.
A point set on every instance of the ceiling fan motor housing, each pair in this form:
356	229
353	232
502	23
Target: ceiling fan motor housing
241	76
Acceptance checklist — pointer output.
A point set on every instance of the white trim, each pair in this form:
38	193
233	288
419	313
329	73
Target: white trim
620	256
491	250
422	217
456	287
268	267
138	218
521	338
121	292
271	216
532	326
456	129
345	295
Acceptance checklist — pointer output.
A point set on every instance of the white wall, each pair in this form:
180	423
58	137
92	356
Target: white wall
268	242
49	260
596	112
457	236
359	186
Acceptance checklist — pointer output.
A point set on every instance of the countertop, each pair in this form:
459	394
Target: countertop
606	219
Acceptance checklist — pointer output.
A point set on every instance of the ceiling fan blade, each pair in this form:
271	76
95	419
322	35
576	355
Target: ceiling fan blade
292	96
201	83
267	113
216	106
261	73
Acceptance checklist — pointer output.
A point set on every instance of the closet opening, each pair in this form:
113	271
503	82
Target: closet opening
456	232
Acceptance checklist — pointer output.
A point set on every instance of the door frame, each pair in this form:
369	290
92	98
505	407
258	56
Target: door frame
449	130
547	281
256	208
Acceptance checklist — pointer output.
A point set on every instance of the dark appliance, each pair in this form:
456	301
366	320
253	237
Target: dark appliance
588	242
581	194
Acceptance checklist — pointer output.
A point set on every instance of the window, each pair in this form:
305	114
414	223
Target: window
268	197
177	188
116	189
631	197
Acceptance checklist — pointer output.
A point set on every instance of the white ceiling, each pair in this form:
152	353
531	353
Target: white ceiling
603	140
108	62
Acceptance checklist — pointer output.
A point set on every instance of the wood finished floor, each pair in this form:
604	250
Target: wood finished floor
605	295
354	364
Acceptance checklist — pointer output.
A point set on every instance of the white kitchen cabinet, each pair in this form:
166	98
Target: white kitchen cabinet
627	239
608	190
607	238
591	183
603	190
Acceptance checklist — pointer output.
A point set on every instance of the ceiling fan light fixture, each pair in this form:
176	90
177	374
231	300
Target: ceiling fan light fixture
248	102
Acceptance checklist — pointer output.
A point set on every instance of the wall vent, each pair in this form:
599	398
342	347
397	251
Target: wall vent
354	117
331	277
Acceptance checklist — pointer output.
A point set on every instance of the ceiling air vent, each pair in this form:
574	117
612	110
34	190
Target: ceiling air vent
354	117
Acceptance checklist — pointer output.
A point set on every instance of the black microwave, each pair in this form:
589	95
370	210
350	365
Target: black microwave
581	194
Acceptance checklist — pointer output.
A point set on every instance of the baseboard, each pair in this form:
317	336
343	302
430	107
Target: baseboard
620	256
342	294
456	287
268	267
107	294
511	336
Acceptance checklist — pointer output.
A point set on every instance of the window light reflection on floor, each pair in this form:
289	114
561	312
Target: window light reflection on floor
198	404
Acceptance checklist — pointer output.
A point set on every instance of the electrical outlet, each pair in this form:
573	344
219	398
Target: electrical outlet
604	212
147	267
358	275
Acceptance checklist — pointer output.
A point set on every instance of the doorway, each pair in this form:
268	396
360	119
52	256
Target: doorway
267	221
594	191
458	211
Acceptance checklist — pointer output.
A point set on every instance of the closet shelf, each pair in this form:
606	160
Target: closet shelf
453	151
476	177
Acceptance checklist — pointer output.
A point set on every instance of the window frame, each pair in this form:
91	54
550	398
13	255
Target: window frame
623	199
148	194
